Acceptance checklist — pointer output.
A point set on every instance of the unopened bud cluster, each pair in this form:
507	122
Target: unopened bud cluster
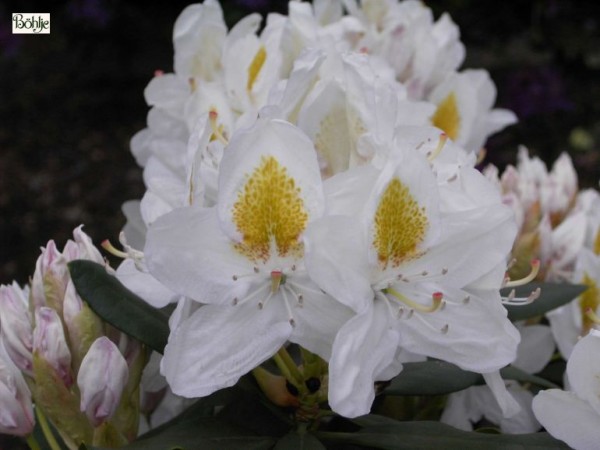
57	354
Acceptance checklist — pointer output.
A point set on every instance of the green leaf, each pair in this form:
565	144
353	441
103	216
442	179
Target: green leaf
553	295
439	378
117	305
514	373
431	378
299	441
384	433
205	432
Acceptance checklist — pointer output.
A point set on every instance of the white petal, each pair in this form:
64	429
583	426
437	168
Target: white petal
536	348
583	369
565	323
508	405
318	320
217	345
144	285
363	348
471	245
347	192
459	411
335	258
476	335
135	228
568	418
187	252
288	146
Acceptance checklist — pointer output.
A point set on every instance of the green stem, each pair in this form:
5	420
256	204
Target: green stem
285	371
33	444
50	439
291	365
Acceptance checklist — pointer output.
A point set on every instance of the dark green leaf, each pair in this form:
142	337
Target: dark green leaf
514	373
431	378
553	295
439	378
117	305
384	433
205	432
299	441
554	372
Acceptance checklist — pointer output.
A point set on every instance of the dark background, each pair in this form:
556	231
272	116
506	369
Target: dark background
70	101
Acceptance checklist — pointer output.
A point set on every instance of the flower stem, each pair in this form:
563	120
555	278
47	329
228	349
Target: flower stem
291	365
50	439
33	444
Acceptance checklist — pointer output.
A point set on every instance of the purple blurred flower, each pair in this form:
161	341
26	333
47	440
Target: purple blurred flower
92	11
536	90
254	4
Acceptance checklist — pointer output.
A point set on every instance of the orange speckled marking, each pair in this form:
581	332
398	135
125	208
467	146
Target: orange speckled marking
269	212
400	225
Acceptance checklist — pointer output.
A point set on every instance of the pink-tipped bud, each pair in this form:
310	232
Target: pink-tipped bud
102	376
15	326
87	249
16	410
50	344
50	278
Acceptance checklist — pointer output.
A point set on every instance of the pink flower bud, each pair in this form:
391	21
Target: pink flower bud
16	411
50	278
50	344
15	326
87	250
102	376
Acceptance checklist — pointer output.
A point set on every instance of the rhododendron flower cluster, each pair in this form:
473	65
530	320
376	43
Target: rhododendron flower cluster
316	235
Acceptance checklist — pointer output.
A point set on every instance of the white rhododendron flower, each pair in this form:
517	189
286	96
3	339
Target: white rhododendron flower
405	267
573	416
244	259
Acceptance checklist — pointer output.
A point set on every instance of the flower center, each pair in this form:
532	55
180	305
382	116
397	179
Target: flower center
400	225
269	213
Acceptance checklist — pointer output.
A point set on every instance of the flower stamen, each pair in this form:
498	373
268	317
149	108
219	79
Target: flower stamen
511	298
441	142
216	130
535	269
436	298
250	296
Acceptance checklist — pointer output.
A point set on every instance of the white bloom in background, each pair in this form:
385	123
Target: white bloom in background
102	376
573	416
16	326
244	259
402	254
198	36
16	409
571	321
464	108
466	408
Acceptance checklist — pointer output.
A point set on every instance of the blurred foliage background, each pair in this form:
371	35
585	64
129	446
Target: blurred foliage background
71	100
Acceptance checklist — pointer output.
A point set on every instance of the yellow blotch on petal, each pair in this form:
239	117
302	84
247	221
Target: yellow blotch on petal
255	67
269	212
597	243
589	299
400	225
447	116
